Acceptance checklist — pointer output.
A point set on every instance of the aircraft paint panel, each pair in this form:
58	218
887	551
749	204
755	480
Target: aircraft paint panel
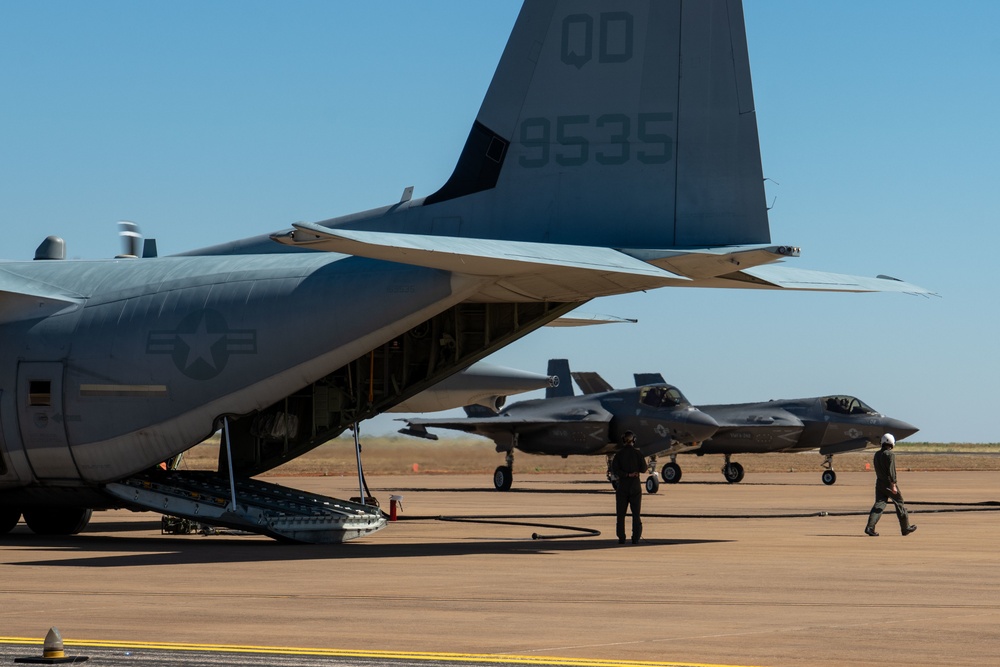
42	420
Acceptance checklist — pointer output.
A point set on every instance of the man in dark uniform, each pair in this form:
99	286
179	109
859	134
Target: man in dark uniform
886	489
627	466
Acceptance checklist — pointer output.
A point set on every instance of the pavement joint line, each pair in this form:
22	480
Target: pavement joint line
372	654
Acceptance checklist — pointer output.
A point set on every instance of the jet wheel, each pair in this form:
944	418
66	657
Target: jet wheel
57	521
829	477
8	519
733	472
652	484
503	477
671	473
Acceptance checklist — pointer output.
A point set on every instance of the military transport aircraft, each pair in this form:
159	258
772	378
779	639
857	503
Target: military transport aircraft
591	425
616	150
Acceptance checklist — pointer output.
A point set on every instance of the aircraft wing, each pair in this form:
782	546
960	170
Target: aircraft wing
591	383
519	269
498	429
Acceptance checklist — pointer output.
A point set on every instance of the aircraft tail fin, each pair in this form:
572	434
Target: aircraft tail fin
643	379
629	124
592	383
559	369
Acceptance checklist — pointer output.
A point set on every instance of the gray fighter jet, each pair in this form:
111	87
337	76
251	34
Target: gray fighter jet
594	167
830	424
591	425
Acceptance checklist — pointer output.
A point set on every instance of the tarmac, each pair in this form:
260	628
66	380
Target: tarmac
772	571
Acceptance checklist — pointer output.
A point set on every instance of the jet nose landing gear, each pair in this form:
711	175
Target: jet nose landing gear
829	476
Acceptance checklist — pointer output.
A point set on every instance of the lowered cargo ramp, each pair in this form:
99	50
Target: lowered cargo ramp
280	512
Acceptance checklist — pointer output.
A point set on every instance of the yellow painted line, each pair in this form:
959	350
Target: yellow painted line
350	653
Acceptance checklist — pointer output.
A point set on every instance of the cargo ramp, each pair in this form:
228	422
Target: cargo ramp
280	512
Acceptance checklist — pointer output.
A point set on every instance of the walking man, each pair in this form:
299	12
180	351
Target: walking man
627	466
886	489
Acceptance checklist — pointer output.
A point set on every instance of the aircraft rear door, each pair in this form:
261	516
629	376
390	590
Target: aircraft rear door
40	413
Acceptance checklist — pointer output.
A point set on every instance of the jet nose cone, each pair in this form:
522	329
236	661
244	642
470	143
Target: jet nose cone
698	426
899	428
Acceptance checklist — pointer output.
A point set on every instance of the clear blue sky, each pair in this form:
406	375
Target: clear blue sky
205	122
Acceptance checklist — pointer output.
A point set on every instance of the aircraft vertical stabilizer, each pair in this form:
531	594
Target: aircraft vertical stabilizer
559	368
618	124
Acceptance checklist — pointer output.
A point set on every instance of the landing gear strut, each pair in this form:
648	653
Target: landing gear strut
829	475
732	471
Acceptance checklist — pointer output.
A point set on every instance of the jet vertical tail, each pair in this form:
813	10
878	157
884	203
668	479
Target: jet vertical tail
559	368
626	124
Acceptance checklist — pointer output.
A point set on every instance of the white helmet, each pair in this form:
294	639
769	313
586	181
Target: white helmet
889	439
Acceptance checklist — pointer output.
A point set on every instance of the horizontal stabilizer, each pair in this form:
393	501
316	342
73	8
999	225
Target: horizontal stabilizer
537	271
786	277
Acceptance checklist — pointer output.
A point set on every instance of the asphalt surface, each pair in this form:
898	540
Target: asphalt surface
772	571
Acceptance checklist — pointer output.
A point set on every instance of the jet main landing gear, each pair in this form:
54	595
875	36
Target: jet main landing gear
671	472
732	471
503	476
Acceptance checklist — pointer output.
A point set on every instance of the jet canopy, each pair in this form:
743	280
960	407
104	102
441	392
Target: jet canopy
847	405
662	396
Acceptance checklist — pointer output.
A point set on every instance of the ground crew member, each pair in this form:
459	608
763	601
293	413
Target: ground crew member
886	489
627	467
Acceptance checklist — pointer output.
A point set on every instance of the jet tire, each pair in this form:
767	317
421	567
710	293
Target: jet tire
733	472
829	477
503	477
671	473
652	484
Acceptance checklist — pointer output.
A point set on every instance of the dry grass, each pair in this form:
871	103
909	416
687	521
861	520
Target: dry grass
399	455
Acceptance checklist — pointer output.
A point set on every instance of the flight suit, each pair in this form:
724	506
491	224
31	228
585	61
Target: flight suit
885	477
628	466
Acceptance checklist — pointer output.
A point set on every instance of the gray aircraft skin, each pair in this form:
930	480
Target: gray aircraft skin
616	150
591	425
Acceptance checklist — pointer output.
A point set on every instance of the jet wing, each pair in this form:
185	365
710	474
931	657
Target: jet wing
499	429
519	270
591	383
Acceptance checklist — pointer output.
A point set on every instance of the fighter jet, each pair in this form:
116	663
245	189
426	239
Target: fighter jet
831	424
591	425
616	150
